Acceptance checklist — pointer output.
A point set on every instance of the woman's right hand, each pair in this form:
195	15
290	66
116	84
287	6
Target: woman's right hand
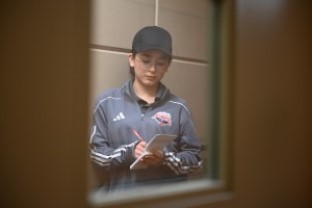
139	149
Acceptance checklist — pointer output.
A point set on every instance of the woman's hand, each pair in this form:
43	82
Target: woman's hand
154	157
139	149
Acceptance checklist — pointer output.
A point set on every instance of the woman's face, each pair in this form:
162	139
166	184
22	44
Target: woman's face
149	67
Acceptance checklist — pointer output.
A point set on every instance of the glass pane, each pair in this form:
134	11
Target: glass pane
190	75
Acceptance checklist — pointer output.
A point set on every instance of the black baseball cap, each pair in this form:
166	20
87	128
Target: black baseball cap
152	37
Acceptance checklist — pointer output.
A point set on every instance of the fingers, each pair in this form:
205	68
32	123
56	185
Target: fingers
158	154
155	158
139	149
141	146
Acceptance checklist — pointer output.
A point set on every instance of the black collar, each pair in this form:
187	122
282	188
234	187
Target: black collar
162	91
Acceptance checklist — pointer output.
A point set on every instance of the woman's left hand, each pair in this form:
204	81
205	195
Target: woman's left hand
154	158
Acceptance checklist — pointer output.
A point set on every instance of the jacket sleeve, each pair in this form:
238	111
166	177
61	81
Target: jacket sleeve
101	151
184	157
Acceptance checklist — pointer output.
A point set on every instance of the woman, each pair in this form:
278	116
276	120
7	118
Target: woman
125	119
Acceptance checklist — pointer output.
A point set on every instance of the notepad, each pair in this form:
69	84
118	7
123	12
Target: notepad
158	142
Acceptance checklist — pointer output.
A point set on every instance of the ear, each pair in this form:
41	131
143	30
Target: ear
131	59
168	66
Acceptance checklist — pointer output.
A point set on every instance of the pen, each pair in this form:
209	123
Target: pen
137	135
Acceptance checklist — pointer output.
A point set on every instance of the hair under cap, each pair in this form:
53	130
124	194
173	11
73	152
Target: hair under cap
152	37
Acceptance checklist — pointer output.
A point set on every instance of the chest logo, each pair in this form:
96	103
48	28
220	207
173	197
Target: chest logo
163	118
119	117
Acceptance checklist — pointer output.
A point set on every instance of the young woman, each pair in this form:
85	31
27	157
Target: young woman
125	119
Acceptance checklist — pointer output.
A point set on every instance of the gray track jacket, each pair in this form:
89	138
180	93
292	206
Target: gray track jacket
117	112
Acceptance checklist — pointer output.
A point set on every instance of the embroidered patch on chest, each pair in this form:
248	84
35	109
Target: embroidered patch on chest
163	118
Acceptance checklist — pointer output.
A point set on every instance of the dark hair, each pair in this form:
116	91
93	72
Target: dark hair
131	69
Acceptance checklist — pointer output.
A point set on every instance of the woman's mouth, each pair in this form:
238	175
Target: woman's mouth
150	77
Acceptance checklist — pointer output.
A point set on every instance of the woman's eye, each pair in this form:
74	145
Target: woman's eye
160	64
146	61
